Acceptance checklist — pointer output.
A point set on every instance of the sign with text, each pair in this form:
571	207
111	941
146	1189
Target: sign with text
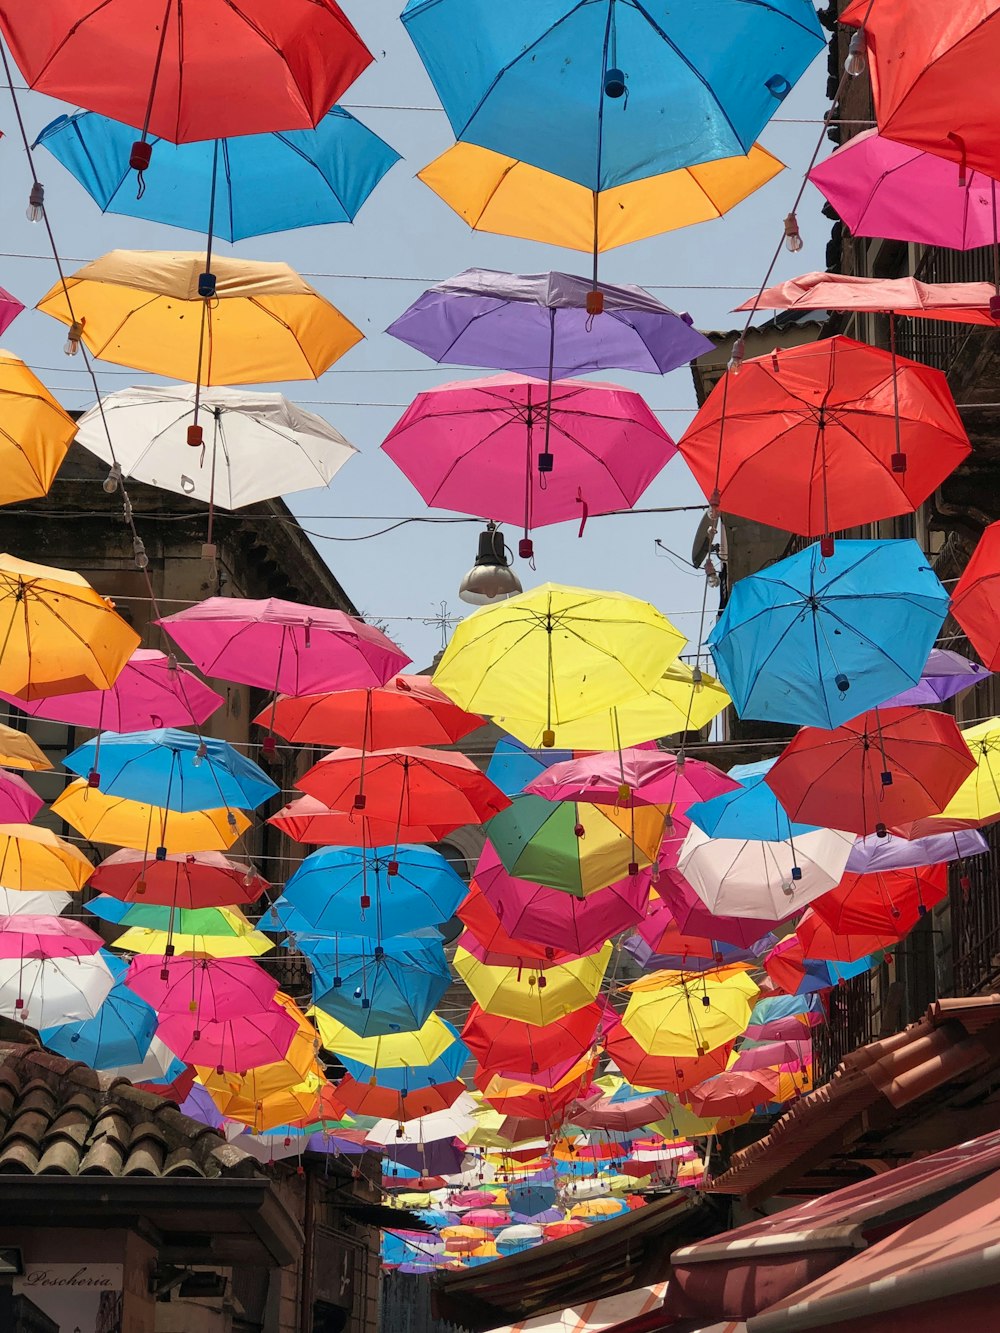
70	1298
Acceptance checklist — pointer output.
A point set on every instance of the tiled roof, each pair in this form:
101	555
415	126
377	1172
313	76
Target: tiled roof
58	1117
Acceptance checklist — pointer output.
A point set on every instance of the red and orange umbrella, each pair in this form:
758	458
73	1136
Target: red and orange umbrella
887	904
733	1093
311	821
673	1073
825	436
888	766
974	601
508	1046
185	880
391	1103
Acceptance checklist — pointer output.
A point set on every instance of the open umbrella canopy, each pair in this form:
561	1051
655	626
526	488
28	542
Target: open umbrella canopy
556	919
211	932
142	309
59	635
120	1032
262	182
555	654
945	674
500	194
889	766
376	989
671	1072
898	853
311	821
791	971
516	450
888	904
29	936
825	436
671	1014
36	859
143	827
208	988
485	932
357	891
693	917
820	940
18	750
18	802
749	809
285	64
241	1043
411	784
766	880
35	435
151	690
540	324
733	1093
974	597
818	639
956	302
882	188
406	710
514	764
931	82
407	1103
689	100
432	1054
177	770
575	846
283	646
144	429
977	801
48	991
519	1047
539	996
632	777
181	879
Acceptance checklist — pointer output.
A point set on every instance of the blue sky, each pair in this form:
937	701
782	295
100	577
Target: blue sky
404	239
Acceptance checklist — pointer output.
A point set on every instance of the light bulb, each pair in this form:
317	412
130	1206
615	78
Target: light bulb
72	344
112	480
36	203
200	754
139	551
857	61
793	240
737	354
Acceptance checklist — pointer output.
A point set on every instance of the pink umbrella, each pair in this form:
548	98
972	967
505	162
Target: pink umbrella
470	1199
10	308
204	988
633	1113
548	916
487	1218
882	188
519	450
151	691
957	302
28	936
733	1094
230	1044
791	1054
636	776
18	803
694	918
284	646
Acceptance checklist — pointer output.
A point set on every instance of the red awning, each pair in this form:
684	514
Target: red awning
937	1272
741	1272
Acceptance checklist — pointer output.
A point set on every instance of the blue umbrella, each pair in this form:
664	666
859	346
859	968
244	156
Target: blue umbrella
173	769
375	989
118	1034
376	892
751	812
531	1198
609	91
816	640
264	182
446	1067
513	765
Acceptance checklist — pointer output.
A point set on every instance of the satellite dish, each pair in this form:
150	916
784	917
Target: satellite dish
702	544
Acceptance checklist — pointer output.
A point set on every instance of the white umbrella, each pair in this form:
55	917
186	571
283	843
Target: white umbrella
155	1064
769	880
15	903
257	445
46	992
450	1124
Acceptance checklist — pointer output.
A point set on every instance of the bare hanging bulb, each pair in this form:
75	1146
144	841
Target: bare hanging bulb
36	203
793	240
857	59
72	344
139	551
737	354
113	480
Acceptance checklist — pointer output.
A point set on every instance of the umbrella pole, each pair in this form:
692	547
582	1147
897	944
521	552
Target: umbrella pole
206	290
898	458
142	149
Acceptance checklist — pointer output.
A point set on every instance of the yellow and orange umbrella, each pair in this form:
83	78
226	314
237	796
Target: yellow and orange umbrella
18	750
35	433
36	860
124	823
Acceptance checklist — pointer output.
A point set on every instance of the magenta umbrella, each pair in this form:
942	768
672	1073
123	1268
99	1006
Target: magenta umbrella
18	803
10	308
694	918
285	647
517	450
151	691
882	188
791	1052
612	1116
204	988
29	936
230	1044
636	776
549	916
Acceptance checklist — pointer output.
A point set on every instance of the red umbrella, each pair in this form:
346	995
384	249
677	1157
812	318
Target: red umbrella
558	1230
407	710
825	436
888	766
411	785
733	1093
882	904
820	940
390	1103
188	880
658	1071
974	601
485	926
187	72
934	82
308	820
503	1044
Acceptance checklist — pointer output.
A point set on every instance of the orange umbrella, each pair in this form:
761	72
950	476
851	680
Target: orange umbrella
390	1103
733	1093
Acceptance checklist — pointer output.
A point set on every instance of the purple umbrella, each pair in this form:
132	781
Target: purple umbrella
439	1157
539	324
945	674
891	853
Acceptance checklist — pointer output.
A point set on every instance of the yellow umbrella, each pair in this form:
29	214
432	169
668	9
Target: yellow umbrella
57	635
395	1050
141	308
511	198
253	1101
233	936
677	702
556	654
978	798
534	995
18	750
112	819
675	1013
596	1208
34	859
35	433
